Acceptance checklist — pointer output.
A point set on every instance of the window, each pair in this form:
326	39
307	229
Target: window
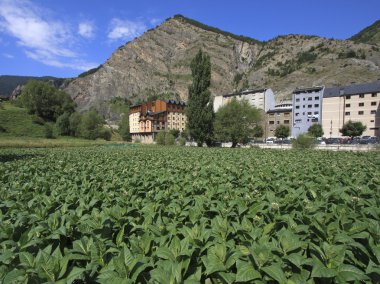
374	95
309	113
316	105
373	111
304	99
316	98
361	96
372	120
286	113
271	114
360	112
347	113
304	106
348	105
297	113
297	107
348	98
310	99
361	104
373	103
297	100
316	112
278	122
286	121
271	122
309	106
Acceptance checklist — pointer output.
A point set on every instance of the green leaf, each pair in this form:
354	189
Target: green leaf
75	273
350	273
13	276
246	272
321	271
296	259
275	272
26	259
119	237
165	253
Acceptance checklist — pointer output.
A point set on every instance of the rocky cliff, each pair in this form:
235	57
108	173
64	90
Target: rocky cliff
158	62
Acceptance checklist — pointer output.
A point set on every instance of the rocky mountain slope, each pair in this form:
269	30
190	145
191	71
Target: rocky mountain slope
370	35
158	62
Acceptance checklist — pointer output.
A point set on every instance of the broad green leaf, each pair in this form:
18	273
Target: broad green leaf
246	272
275	272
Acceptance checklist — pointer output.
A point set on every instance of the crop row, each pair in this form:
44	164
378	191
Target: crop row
186	215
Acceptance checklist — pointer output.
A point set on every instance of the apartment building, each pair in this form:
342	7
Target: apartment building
281	114
147	119
259	98
307	109
356	102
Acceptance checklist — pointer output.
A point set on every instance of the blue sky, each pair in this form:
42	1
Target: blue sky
65	38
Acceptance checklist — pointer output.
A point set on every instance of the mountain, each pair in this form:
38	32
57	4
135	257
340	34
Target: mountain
158	64
9	83
370	35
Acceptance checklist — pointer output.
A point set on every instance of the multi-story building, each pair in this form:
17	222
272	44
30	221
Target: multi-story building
356	102
281	114
147	119
259	98
307	109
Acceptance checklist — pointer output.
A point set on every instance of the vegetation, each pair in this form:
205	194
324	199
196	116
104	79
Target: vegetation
368	35
258	131
303	141
89	72
352	54
353	129
124	128
282	131
199	111
91	125
236	121
315	130
44	100
289	66
109	215
165	138
216	30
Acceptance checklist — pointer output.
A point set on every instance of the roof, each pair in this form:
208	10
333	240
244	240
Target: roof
246	92
280	110
174	102
308	90
353	89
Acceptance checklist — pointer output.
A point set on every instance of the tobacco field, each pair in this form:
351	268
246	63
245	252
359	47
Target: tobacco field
188	215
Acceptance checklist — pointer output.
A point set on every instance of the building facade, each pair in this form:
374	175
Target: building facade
259	98
281	114
147	119
356	102
307	109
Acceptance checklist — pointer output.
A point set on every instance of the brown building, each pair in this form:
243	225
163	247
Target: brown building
147	119
281	114
356	102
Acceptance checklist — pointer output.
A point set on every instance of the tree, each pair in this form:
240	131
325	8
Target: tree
74	121
282	131
160	138
236	121
91	125
303	141
200	114
124	128
353	129
258	131
63	124
315	130
44	100
169	139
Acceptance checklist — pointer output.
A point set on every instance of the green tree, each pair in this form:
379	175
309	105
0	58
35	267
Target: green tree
175	132
49	131
44	100
236	121
282	131
353	129
63	124
169	139
303	141
258	131
74	122
315	130
200	114
91	125
124	127
160	138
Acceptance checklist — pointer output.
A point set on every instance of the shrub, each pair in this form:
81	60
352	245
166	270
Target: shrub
182	141
2	129
91	125
169	139
63	124
49	131
74	122
106	134
38	120
160	138
303	141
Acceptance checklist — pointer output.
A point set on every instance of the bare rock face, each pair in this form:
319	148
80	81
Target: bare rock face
16	92
159	62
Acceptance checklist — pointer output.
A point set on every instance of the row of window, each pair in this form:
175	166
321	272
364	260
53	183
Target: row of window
362	104
278	122
308	106
309	99
360	112
309	113
373	95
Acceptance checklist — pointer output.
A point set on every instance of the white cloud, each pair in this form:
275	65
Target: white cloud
7	55
86	30
43	39
154	21
125	29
